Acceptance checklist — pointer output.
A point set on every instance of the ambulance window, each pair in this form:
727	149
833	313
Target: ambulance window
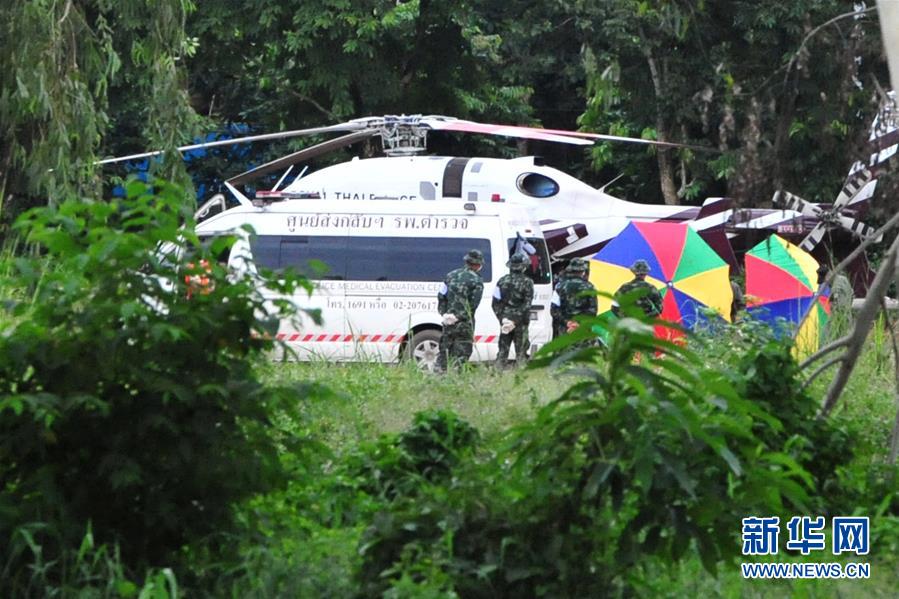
301	253
266	251
535	249
327	252
429	258
367	259
410	258
537	185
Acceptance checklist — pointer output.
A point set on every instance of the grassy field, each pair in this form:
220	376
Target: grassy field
373	399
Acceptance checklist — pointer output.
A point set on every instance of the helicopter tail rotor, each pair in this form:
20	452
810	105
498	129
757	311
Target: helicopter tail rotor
859	186
830	217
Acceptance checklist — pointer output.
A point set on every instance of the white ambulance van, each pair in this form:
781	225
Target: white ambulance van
377	265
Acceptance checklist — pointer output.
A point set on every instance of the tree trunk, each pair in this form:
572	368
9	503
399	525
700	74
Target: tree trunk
779	157
666	164
666	174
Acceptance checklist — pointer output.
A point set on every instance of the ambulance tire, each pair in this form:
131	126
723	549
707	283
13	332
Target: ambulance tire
423	348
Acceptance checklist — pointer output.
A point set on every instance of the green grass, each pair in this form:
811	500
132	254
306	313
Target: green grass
373	399
690	580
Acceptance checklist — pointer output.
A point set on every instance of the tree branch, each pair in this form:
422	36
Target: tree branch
894	434
318	106
65	13
846	262
663	155
813	32
841	342
820	370
863	324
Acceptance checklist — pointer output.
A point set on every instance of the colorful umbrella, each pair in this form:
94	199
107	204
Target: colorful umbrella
781	280
688	273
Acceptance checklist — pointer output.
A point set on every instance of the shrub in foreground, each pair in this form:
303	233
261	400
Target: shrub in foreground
124	402
650	455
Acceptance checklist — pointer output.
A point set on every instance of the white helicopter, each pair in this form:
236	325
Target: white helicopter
577	219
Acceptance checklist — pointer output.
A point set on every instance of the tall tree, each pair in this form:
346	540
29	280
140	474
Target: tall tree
289	62
296	63
741	76
58	59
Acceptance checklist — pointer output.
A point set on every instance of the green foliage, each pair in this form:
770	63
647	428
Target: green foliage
641	458
769	376
58	63
742	78
123	401
54	72
434	441
426	451
91	570
304	61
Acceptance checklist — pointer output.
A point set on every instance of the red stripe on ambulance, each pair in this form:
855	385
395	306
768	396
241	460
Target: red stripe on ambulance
338	337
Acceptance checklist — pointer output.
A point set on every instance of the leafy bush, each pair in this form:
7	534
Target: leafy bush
90	570
649	454
767	374
124	402
435	440
301	541
426	451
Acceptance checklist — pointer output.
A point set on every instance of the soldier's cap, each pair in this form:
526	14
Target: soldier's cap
518	261
577	265
474	257
640	267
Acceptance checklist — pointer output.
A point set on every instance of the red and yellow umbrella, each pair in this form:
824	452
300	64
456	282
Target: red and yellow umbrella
688	273
781	280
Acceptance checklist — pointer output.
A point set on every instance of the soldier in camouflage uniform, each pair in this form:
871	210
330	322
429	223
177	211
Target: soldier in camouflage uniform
457	301
574	295
512	300
650	301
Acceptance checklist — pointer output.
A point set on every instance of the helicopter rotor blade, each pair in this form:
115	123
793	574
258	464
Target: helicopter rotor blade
857	188
791	201
502	130
814	237
238	140
635	140
304	154
555	135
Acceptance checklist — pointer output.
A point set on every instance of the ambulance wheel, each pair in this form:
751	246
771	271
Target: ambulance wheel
424	347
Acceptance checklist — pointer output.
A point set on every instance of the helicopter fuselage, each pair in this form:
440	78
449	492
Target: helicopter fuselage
577	219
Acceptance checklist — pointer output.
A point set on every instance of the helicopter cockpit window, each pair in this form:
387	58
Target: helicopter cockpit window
537	185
